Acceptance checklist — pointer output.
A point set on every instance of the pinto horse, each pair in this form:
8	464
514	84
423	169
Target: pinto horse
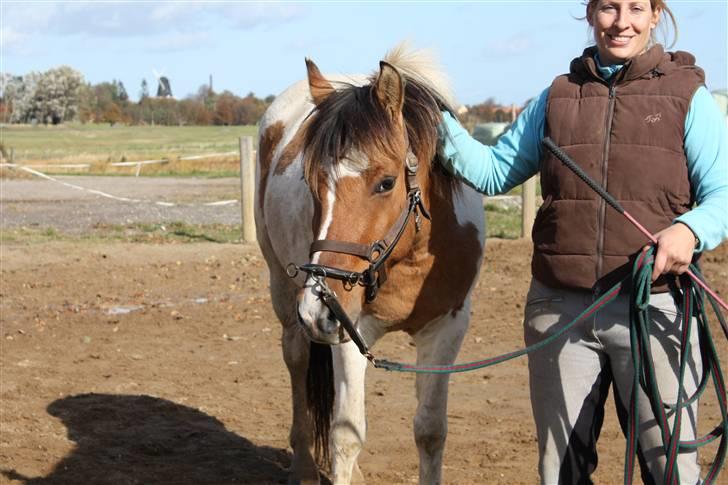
338	161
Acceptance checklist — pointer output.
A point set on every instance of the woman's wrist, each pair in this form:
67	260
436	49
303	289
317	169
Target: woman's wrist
695	236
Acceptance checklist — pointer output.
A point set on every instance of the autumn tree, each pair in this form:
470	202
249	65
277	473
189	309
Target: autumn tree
225	105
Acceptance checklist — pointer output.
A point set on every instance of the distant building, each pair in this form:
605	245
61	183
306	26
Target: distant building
164	90
488	133
721	98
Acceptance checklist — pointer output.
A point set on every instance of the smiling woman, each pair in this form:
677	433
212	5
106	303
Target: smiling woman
624	29
642	123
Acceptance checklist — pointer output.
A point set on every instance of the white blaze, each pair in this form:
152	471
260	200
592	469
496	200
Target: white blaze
311	306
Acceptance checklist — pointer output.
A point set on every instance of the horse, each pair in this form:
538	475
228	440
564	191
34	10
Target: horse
344	161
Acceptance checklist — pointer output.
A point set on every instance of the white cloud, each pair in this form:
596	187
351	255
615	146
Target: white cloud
245	16
13	42
181	42
143	19
511	46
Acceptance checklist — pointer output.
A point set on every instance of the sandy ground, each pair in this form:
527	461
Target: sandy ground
160	364
70	205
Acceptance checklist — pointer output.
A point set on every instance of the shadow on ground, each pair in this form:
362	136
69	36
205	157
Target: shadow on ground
123	439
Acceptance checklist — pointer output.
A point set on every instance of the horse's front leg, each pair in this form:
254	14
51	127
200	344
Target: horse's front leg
296	355
348	430
437	343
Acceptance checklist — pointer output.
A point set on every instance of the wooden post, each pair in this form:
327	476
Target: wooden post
528	206
247	188
528	197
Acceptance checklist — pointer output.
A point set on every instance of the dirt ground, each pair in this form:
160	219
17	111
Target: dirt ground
160	364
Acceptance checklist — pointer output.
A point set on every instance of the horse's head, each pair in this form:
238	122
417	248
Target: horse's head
359	141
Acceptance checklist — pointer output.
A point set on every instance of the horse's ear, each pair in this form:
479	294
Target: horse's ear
389	89
318	85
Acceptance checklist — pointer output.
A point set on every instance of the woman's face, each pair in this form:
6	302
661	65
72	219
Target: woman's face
622	28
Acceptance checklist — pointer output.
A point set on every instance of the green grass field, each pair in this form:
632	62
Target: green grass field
100	145
89	143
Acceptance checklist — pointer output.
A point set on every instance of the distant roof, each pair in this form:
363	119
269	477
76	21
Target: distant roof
721	97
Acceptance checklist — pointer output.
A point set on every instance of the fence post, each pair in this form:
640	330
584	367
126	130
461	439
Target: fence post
247	188
528	206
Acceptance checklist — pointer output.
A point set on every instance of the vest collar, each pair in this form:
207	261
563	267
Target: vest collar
634	68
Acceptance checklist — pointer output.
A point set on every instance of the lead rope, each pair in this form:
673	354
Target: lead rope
692	305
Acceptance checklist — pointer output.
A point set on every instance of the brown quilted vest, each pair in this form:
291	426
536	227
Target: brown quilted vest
627	135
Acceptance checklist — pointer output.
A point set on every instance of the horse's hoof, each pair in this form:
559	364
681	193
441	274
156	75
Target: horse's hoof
357	477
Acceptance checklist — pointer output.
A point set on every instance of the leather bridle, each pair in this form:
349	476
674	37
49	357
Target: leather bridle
375	253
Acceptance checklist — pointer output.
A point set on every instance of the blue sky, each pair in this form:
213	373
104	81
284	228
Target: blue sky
508	50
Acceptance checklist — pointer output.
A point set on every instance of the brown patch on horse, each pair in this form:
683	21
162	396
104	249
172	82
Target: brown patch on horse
292	150
267	146
447	253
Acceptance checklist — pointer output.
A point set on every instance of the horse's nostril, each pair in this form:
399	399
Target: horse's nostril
328	324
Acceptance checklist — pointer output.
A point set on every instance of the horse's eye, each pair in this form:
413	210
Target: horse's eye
385	185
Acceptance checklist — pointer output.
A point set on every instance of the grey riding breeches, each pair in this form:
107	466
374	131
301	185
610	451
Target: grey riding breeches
570	380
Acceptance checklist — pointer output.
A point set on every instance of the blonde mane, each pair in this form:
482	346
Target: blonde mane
422	66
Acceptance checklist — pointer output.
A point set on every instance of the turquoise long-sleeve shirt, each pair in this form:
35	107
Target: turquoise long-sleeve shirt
515	158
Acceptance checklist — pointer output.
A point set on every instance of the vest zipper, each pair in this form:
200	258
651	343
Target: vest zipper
601	215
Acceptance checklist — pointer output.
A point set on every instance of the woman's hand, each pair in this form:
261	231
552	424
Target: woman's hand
675	246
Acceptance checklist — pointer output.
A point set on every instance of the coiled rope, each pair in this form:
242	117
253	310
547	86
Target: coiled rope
692	305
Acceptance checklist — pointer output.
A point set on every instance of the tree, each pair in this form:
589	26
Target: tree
121	92
9	90
194	112
112	114
87	104
49	97
206	96
58	94
144	91
21	95
249	110
225	109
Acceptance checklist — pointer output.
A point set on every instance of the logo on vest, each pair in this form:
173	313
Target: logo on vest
653	118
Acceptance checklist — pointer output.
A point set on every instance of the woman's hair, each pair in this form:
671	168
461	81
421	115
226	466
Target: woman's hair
655	4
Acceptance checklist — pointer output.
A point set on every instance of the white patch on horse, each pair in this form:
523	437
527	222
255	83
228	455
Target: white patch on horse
327	219
467	210
348	427
352	165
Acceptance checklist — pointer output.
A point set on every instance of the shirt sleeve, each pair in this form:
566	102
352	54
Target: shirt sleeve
706	149
497	169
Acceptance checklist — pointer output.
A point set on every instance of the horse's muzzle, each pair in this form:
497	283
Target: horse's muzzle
323	329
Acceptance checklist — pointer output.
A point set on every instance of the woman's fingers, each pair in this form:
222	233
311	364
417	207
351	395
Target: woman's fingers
675	246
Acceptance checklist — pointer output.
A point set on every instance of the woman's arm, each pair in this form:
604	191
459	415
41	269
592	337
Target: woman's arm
497	169
706	149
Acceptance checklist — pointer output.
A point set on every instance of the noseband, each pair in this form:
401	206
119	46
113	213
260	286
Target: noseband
375	253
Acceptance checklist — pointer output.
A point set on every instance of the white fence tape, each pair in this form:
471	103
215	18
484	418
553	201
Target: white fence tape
209	155
50	165
110	196
139	162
